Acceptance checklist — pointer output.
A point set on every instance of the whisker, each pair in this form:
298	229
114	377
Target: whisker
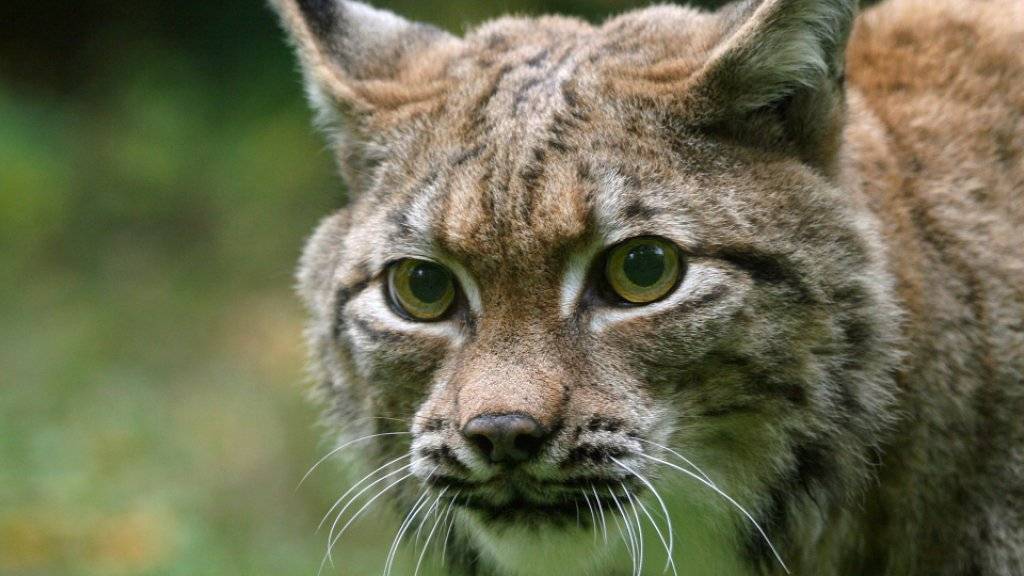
604	522
413	512
631	545
625	540
593	517
639	528
396	419
342	447
330	535
451	524
430	535
358	513
354	487
668	547
680	456
664	510
432	510
729	499
420	503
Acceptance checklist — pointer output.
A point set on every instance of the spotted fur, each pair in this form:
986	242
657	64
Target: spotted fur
845	354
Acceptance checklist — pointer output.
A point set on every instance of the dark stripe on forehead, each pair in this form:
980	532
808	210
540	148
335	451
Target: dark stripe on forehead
523	93
515	163
399	215
544	77
531	176
539	58
563	123
477	117
636	209
467	155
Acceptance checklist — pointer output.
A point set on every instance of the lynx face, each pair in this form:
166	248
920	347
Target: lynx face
598	276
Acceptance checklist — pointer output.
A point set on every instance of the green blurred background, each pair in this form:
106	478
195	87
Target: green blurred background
158	174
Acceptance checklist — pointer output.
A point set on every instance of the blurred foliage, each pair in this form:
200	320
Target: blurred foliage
158	174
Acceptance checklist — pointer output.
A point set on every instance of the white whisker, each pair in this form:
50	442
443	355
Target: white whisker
409	518
604	522
670	562
629	528
354	487
451	524
331	538
432	510
333	541
430	535
680	456
342	447
664	510
639	528
729	499
413	513
593	516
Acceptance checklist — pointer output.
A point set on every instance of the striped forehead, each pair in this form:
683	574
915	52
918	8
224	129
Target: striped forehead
512	174
503	177
497	212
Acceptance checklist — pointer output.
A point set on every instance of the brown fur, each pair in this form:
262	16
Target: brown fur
943	83
844	355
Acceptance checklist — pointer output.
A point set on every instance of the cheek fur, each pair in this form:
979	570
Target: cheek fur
395	359
673	334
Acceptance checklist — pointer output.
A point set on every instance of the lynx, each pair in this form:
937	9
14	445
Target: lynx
709	293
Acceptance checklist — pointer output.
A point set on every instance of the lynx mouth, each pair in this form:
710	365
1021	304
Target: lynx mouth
571	511
578	502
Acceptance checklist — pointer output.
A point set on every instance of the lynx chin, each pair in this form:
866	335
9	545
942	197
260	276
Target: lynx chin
696	293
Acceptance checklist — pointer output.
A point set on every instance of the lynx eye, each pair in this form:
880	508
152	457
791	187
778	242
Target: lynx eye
643	270
422	289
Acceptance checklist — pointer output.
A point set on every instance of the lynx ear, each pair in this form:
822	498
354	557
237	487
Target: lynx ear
358	61
778	47
782	61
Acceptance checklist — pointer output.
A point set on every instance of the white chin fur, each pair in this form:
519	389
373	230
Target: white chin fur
705	542
545	551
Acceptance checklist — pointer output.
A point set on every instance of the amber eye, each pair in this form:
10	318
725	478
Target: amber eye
643	270
422	289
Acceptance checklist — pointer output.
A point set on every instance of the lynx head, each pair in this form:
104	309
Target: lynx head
583	264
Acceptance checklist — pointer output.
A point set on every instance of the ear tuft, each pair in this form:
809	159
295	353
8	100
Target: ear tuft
342	44
359	61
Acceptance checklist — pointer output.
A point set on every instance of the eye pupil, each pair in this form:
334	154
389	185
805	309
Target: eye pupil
643	270
420	289
644	265
428	282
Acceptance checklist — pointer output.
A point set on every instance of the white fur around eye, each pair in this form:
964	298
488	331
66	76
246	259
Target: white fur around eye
575	279
467	284
699	280
371	307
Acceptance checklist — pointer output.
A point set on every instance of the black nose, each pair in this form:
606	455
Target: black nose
509	438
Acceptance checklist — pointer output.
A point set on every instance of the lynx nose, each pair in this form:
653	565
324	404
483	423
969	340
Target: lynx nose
508	438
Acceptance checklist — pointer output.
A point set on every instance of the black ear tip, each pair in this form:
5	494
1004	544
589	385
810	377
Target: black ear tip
322	15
